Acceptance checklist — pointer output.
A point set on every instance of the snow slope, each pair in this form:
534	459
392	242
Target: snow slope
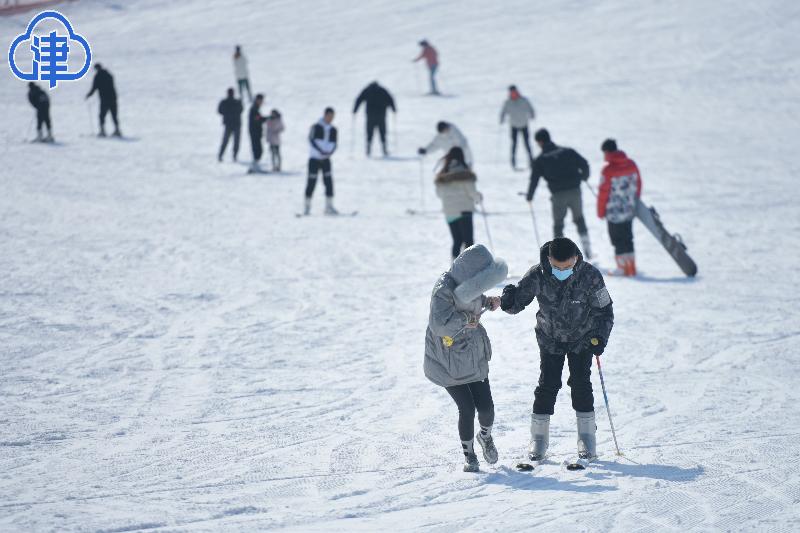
180	353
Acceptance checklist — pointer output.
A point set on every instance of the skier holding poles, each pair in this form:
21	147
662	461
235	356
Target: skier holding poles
574	320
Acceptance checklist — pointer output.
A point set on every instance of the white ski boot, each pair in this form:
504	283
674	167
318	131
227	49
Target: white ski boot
587	441
329	209
540	437
587	246
487	445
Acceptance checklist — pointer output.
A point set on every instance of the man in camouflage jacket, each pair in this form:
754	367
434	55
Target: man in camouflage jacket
574	320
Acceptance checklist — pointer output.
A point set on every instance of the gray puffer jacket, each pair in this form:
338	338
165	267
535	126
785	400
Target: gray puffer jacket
569	311
454	353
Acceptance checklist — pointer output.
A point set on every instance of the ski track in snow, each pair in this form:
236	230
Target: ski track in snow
180	353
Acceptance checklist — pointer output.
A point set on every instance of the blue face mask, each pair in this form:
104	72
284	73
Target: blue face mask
562	275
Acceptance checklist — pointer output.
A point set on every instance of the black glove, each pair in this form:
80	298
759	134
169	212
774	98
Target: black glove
422	151
596	344
507	299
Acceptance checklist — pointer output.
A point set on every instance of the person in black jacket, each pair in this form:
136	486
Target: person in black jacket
231	110
39	100
377	100
104	85
574	320
563	168
255	123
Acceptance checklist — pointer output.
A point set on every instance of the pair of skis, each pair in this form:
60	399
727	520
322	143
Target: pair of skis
572	464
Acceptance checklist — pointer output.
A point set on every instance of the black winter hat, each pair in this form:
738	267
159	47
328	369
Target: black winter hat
609	145
542	136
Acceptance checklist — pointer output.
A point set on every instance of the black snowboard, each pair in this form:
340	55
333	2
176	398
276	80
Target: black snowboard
672	243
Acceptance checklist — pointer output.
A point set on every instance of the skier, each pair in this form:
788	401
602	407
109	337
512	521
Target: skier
620	187
274	129
575	318
455	185
231	110
377	100
39	100
255	125
432	60
563	169
448	137
104	85
322	143
241	73
520	112
457	348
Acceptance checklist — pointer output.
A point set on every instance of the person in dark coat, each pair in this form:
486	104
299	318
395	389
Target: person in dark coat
377	100
563	168
39	100
231	110
104	85
575	319
255	123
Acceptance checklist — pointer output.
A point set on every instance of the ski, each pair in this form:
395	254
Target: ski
340	215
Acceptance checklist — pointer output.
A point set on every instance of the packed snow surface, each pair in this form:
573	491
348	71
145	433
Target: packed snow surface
179	352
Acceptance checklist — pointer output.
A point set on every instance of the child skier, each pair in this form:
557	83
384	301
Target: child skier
455	186
457	348
274	129
620	187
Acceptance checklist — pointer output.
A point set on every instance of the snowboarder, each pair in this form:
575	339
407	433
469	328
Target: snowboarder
377	100
575	318
255	124
39	100
448	137
563	168
520	112
241	73
455	185
620	187
274	129
104	85
322	143
231	110
432	60
457	348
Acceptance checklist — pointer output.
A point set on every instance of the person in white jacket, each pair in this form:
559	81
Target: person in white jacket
322	143
519	111
242	75
455	186
448	137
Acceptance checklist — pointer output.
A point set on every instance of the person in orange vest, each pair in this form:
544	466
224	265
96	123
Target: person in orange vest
620	187
432	60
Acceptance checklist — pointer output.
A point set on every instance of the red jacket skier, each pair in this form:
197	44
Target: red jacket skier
620	188
432	60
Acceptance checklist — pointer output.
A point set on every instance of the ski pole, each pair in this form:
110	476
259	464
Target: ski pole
91	118
416	77
498	144
394	132
533	217
486	223
591	189
608	409
422	184
28	131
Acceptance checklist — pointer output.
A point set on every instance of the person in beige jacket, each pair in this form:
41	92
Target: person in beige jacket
455	186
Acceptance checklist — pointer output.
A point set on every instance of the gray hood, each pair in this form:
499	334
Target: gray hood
475	271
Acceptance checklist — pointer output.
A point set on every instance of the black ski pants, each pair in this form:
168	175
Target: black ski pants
231	131
377	122
258	148
469	398
580	383
621	237
462	231
106	106
525	137
43	117
314	166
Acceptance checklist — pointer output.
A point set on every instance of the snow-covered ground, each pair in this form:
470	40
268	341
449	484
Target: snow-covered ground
180	353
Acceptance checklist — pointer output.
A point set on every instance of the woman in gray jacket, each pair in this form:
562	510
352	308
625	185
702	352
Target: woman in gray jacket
457	348
455	186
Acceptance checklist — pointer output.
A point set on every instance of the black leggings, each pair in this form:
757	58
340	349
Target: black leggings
468	398
461	230
525	137
314	166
